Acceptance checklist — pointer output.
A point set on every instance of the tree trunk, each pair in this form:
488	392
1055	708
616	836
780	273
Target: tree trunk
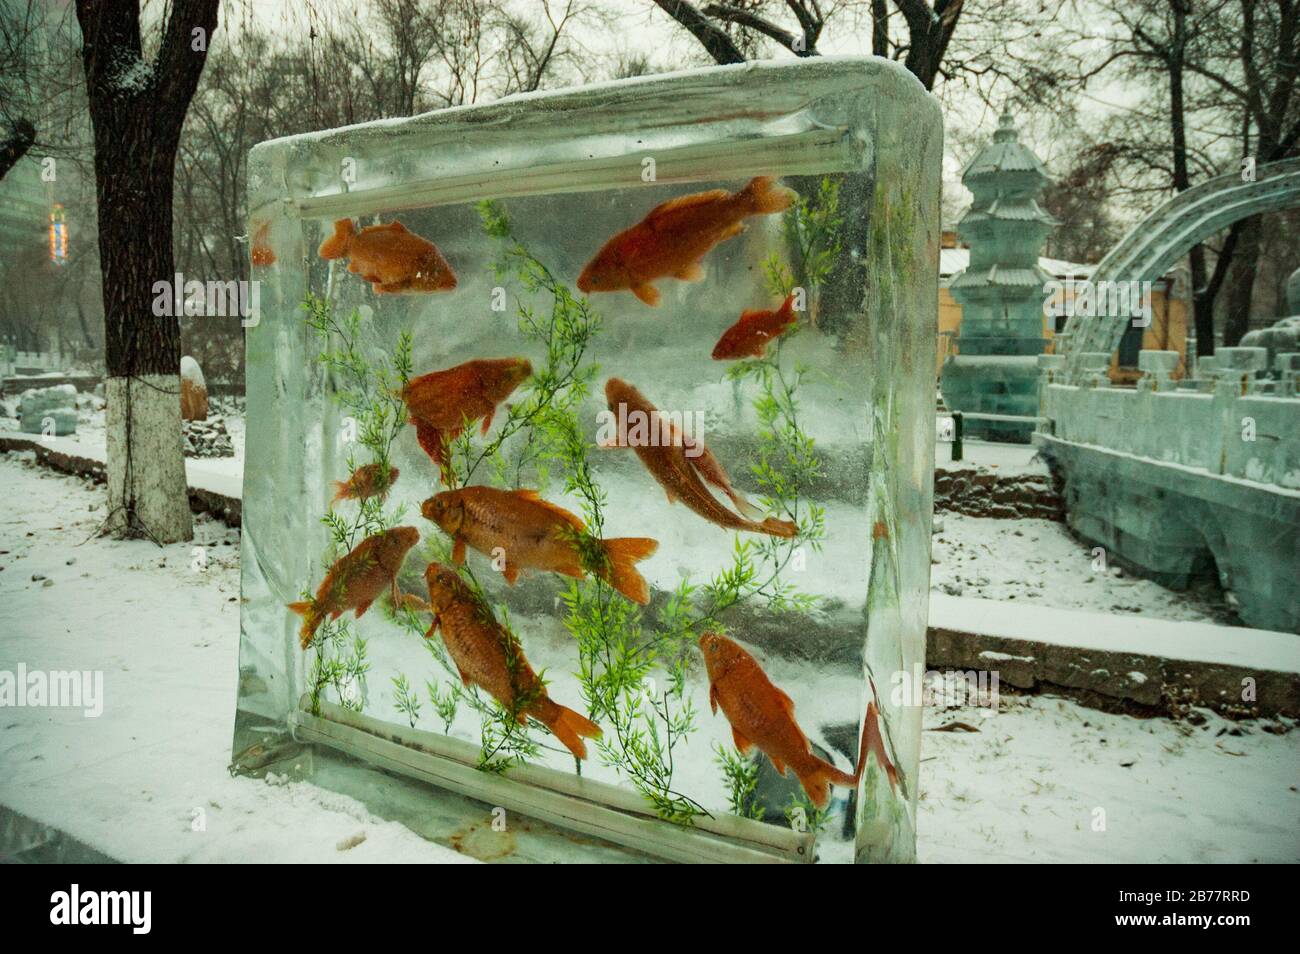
137	111
1203	290
1202	303
1241	282
147	490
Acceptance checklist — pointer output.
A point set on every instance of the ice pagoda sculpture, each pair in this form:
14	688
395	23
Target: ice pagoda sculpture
589	457
994	368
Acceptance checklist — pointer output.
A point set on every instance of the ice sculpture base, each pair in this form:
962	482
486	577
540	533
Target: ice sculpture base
558	798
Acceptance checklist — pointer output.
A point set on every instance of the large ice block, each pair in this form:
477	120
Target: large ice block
745	255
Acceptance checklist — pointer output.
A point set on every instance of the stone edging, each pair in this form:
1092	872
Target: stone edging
1110	680
224	508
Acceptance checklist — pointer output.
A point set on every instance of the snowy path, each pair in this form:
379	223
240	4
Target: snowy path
1026	786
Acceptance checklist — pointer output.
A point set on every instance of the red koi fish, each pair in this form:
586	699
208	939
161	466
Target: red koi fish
674	237
441	403
753	331
391	257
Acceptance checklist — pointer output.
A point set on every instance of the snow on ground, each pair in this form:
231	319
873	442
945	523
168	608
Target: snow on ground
998	456
1046	780
1026	786
131	782
1038	561
222	475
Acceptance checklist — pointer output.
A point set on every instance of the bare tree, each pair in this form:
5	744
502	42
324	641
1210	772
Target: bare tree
1253	57
929	28
1220	87
399	58
137	109
531	52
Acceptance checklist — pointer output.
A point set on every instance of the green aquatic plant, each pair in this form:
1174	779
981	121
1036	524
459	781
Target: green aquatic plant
404	700
445	702
367	389
811	228
633	673
619	657
787	465
364	389
741	776
339	662
632	670
367	385
802	815
565	330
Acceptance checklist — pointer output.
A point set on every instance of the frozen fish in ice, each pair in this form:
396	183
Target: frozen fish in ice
874	743
673	239
682	464
261	250
525	532
762	716
357	579
753	331
487	655
440	404
368	480
393	259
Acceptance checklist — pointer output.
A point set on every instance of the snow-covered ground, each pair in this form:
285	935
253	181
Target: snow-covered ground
995	455
1046	780
1033	783
1039	562
222	475
136	781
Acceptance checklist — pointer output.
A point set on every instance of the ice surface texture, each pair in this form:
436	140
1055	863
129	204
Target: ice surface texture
570	169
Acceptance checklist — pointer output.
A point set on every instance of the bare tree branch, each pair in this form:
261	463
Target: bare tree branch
16	146
715	41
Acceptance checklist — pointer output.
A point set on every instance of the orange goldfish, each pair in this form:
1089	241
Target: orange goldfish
532	533
441	403
393	259
488	655
366	481
679	462
673	239
873	742
357	579
261	250
762	715
750	335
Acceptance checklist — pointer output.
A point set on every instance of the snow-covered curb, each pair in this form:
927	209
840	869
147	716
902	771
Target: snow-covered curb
1139	659
214	487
